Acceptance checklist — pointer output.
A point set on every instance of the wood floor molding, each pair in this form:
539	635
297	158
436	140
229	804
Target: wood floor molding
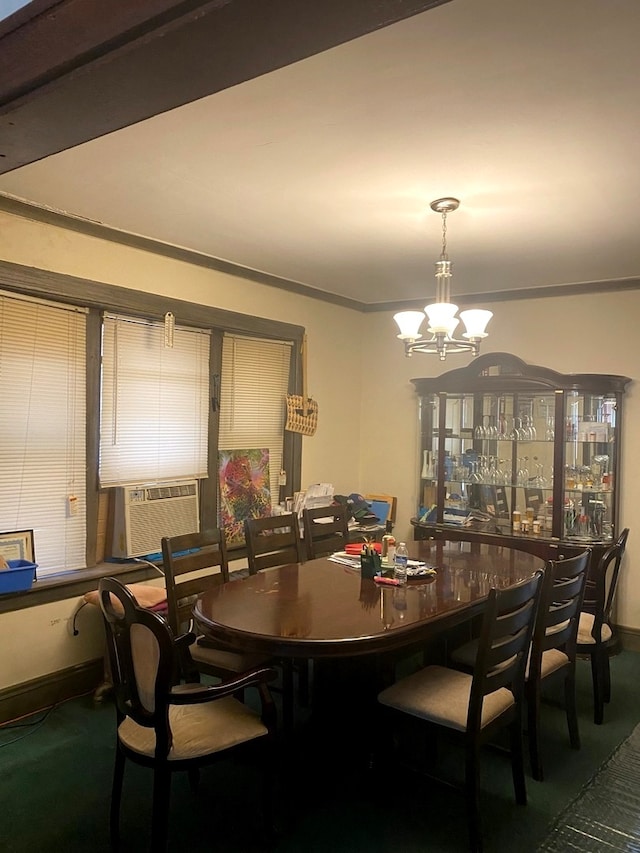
629	638
48	690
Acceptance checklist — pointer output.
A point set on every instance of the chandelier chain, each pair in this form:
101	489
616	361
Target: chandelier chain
443	254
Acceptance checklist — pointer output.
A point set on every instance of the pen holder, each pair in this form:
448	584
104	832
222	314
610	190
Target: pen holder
370	565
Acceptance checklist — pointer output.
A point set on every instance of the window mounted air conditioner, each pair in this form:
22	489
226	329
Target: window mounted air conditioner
144	514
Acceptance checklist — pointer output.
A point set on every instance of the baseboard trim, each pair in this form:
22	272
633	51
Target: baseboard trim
629	638
39	693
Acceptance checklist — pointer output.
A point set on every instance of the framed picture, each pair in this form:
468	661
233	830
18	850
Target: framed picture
17	545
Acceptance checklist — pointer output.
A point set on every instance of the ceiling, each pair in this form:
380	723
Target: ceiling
322	172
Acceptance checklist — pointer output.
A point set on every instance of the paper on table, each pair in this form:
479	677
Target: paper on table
345	559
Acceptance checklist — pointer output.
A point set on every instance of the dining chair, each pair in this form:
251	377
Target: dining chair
169	727
390	500
473	707
325	530
273	541
553	648
194	563
595	631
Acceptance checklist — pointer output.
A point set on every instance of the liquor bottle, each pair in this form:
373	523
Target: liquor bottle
400	563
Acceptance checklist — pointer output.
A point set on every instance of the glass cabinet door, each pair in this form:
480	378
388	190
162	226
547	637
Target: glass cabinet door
429	419
513	454
590	459
497	456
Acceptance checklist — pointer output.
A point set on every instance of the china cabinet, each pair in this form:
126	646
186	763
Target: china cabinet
521	451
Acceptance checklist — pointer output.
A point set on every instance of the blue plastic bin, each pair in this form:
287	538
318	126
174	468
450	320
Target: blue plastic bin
18	577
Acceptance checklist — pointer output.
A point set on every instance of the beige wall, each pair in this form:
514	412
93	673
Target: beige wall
367	434
42	637
595	334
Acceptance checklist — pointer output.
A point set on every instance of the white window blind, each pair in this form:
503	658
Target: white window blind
253	388
154	402
42	428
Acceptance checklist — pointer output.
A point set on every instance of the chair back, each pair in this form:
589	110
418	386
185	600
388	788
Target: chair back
392	502
193	563
273	541
504	643
325	530
560	604
140	645
601	584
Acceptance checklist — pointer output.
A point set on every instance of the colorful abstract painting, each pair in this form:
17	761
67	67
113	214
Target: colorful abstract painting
244	489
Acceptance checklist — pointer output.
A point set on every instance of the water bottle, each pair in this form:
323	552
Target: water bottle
400	563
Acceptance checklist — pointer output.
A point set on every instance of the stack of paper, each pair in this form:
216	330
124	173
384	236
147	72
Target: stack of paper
346	559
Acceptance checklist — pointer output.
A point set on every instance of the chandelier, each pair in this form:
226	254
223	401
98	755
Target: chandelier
442	313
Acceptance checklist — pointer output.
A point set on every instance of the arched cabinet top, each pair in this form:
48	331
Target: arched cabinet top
501	371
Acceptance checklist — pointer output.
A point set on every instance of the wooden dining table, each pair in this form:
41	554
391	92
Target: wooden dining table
321	609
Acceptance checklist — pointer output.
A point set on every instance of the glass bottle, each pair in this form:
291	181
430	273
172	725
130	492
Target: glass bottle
400	562
388	540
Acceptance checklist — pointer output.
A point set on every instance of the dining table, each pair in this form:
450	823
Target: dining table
322	609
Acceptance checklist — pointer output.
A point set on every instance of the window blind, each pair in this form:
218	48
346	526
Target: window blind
154	402
253	386
42	424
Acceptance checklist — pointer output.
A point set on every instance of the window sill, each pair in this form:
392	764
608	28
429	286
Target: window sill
74	584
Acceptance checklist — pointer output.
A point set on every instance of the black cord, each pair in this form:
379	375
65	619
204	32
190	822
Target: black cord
75	616
32	726
148	563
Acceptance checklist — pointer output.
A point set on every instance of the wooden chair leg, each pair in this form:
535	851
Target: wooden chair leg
598	688
606	670
288	698
472	796
303	683
193	774
533	730
268	790
572	712
160	812
116	797
517	762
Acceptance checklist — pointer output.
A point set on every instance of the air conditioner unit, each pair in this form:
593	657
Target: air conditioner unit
144	514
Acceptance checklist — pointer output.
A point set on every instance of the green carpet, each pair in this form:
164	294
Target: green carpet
55	779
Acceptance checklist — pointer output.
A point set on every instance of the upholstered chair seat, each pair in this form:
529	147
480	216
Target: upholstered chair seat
197	730
585	630
442	695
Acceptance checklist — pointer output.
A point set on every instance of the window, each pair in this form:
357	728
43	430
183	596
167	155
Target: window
254	383
42	423
50	403
154	402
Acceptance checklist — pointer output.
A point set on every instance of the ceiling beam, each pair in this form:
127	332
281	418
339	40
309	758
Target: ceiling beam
74	70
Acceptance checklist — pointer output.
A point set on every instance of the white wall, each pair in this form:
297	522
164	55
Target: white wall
594	334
